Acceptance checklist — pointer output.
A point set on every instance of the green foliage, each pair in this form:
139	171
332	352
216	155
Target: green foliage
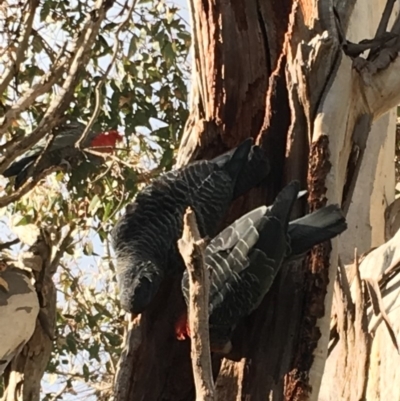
144	96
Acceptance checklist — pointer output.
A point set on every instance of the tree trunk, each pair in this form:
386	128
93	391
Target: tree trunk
275	71
364	363
22	377
366	224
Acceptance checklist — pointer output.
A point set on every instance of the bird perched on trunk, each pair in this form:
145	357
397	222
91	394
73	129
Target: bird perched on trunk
61	152
247	255
145	238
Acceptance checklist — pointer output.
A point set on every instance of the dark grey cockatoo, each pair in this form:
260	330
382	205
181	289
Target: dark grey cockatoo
247	255
145	238
19	308
62	151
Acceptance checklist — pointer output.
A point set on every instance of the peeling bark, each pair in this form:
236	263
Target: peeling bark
363	359
275	72
317	278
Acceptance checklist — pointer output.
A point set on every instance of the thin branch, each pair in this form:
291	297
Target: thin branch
82	302
60	392
355	49
9	244
383	24
46	47
13	66
80	377
30	184
118	161
25	101
191	247
117	45
61	247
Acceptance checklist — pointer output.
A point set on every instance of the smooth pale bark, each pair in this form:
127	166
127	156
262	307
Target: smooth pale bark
19	308
367	225
375	185
22	377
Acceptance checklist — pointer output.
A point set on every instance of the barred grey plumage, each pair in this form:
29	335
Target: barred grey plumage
145	238
247	255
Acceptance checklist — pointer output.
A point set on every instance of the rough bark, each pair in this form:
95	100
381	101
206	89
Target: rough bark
275	71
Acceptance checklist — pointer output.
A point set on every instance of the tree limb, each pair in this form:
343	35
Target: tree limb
383	24
9	244
53	56
23	375
60	249
117	45
30	184
47	81
383	91
191	247
60	102
23	43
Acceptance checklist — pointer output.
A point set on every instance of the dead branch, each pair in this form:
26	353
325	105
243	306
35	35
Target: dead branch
15	61
191	247
376	270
